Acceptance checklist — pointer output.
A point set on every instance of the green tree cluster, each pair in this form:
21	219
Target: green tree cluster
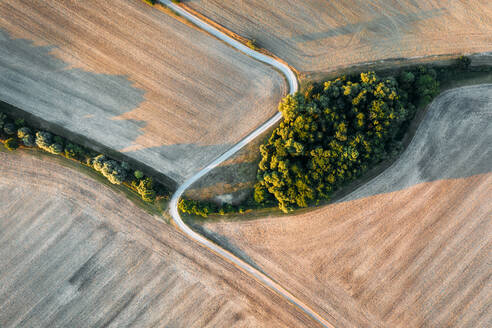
191	206
113	170
47	142
11	144
145	188
75	151
15	133
204	209
331	134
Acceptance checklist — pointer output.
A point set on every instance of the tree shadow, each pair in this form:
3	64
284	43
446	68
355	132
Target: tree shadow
223	242
385	27
33	79
90	104
453	141
378	25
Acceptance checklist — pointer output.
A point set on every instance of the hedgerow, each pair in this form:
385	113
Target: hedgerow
333	132
15	133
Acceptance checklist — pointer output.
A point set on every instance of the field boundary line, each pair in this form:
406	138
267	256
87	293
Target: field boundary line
173	204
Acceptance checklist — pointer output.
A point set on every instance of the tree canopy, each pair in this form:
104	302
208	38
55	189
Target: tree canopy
332	133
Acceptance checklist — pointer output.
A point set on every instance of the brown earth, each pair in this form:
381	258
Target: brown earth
323	35
75	253
134	79
233	180
412	247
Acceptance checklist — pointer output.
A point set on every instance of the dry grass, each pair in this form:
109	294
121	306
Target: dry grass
320	35
134	79
412	247
76	254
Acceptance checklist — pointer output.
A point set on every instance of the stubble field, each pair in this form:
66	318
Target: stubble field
74	253
411	248
320	36
134	79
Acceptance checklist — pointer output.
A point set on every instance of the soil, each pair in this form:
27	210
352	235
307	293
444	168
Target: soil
324	35
411	247
75	253
134	79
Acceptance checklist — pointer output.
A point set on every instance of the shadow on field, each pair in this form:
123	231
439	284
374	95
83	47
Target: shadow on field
453	141
223	242
179	161
382	25
35	80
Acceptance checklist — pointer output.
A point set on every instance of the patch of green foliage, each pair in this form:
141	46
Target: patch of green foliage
204	209
15	133
114	171
252	44
463	63
138	174
145	188
335	132
329	135
11	144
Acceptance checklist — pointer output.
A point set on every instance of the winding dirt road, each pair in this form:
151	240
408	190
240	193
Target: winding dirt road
293	87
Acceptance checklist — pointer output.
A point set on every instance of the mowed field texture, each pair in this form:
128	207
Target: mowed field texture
323	35
134	79
74	253
412	247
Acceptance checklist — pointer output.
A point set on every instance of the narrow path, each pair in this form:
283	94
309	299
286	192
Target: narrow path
173	205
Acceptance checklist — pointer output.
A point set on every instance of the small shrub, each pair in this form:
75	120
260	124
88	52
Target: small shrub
11	144
138	174
23	131
19	122
252	44
463	63
28	141
194	207
48	143
44	139
145	189
111	169
9	128
74	151
55	148
25	135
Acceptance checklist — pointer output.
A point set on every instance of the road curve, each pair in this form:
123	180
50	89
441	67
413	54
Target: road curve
173	205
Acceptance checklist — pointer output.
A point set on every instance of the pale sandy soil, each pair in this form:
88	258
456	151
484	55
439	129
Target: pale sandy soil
134	79
323	35
412	247
74	253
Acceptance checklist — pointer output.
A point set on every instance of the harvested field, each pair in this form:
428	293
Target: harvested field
234	179
76	254
412	247
321	35
134	79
